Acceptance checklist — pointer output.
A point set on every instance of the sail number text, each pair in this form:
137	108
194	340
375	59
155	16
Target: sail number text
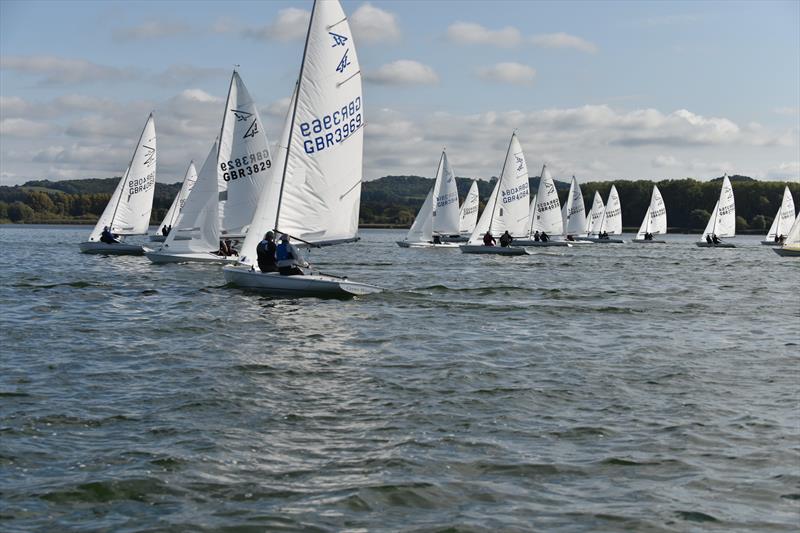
333	128
141	184
515	193
247	165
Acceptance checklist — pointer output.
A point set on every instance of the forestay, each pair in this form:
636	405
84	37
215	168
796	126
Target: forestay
197	227
595	217
468	215
547	215
180	199
655	220
784	218
445	199
128	210
573	213
244	159
611	221
422	228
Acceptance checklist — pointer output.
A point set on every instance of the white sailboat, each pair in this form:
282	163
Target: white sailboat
507	208
468	214
128	210
655	220
791	246
783	221
722	222
177	204
545	214
595	215
438	217
573	214
610	221
316	192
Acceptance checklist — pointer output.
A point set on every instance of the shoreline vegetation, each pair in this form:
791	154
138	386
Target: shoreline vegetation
393	201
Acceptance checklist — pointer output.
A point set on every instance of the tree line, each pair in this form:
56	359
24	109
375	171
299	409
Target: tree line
395	200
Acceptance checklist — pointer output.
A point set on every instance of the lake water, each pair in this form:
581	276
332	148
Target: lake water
601	388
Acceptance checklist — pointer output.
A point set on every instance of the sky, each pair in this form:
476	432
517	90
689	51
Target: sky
599	90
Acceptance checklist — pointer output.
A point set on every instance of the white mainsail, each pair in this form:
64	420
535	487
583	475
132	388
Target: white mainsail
784	218
422	228
180	199
595	216
722	222
244	159
611	221
468	215
197	226
128	210
547	215
793	237
573	214
485	221
655	220
445	199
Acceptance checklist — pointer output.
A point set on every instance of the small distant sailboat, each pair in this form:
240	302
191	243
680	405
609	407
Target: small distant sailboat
791	246
595	215
655	220
573	214
128	210
177	204
783	221
722	222
610	220
316	192
468	214
507	207
438	218
545	215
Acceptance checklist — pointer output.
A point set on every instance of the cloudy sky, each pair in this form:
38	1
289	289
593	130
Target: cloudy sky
602	90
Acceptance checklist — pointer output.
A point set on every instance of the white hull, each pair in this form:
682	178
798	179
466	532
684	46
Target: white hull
645	241
310	285
496	250
188	257
534	244
788	251
406	244
120	248
712	245
603	241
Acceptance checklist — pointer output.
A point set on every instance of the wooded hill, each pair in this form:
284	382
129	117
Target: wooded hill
395	200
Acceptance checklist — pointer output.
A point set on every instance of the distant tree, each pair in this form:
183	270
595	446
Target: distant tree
19	212
741	223
759	222
698	218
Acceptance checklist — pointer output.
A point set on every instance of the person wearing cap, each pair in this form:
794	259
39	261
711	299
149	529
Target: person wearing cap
266	253
108	237
289	259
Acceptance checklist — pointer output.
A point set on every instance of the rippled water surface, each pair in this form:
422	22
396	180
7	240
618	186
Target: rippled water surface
608	387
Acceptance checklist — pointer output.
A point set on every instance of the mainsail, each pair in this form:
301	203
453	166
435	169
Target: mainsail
655	220
547	215
723	219
573	213
595	217
468	215
611	221
422	228
784	218
445	199
180	199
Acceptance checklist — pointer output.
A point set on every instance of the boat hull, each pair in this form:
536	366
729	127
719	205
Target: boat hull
196	257
489	250
771	243
788	251
120	248
653	241
535	244
712	245
406	244
603	241
310	285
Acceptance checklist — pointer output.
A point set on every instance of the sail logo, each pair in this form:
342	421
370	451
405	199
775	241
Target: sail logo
344	63
252	130
549	188
338	40
520	162
150	156
241	115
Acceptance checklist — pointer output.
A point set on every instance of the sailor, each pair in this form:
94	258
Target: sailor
544	237
488	240
570	238
505	239
708	238
266	253
230	249
437	239
715	238
289	259
108	237
536	237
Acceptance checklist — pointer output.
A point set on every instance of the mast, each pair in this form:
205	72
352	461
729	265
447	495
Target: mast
439	171
716	211
294	115
500	180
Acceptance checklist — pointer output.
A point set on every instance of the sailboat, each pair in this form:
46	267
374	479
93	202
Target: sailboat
177	204
655	220
507	207
545	214
722	222
237	172
783	220
316	192
791	246
128	210
573	214
438	216
468	214
595	216
609	222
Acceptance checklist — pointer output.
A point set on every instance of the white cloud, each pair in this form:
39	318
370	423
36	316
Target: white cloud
290	24
563	40
782	171
515	73
152	29
403	72
472	33
664	161
371	25
56	70
21	127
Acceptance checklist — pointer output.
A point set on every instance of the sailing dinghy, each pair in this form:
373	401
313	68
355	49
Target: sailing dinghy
722	222
545	214
128	210
507	207
438	217
610	220
783	222
655	220
177	204
316	192
791	246
468	214
573	214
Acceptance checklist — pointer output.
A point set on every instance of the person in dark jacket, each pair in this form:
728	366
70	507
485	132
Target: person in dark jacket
266	250
488	239
289	259
505	239
108	237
